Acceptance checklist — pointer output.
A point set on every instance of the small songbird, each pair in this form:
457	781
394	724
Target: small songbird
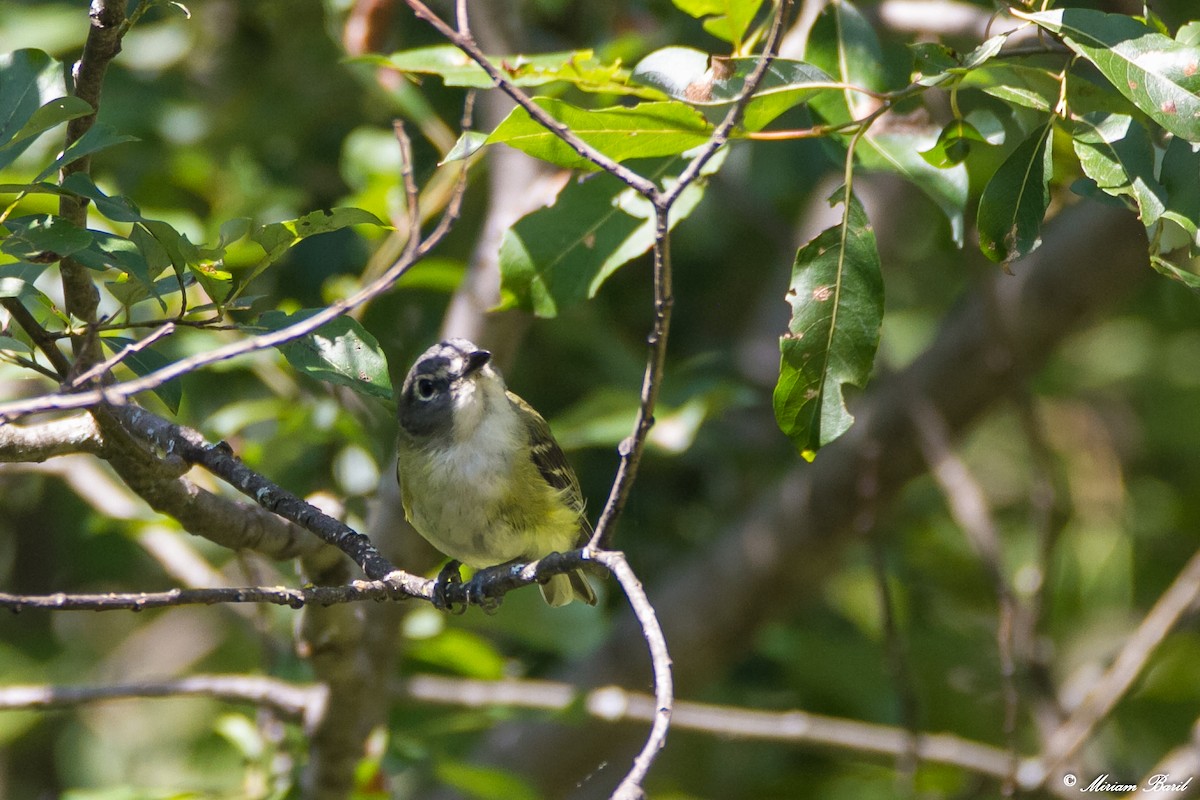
481	476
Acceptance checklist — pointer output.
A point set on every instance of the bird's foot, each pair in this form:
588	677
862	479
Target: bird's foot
448	576
477	586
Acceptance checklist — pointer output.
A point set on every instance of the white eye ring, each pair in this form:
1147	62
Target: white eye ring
425	389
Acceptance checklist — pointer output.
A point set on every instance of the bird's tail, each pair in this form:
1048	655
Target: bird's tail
562	589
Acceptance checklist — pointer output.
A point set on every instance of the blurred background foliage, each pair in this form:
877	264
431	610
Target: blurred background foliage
252	109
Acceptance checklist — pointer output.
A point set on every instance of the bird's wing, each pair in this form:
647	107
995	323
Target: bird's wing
549	459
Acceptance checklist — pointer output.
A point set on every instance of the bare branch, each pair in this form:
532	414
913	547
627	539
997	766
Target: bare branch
78	434
125	352
187	444
117	393
463	40
354	592
297	701
1108	690
631	448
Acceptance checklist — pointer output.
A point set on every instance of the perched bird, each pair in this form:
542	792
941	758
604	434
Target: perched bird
481	476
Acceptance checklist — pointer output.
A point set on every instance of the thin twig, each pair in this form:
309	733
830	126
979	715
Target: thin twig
630	450
124	353
608	703
660	660
299	701
464	41
354	592
44	340
121	391
189	445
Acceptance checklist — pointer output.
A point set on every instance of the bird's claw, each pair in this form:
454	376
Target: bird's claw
447	577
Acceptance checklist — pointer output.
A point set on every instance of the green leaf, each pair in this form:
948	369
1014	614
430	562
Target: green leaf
10	345
469	143
899	151
1117	154
17	280
29	79
936	63
1160	75
277	238
484	783
44	238
713	85
725	19
1180	177
54	112
836	294
647	130
116	252
145	361
1175	273
953	144
1014	201
559	256
118	209
579	68
98	137
341	352
843	43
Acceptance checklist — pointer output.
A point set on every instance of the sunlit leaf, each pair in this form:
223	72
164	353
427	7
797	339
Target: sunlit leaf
843	43
1014	201
55	112
836	295
1116	153
936	63
98	137
276	238
725	19
714	84
557	256
579	68
44	238
341	352
1160	75
647	130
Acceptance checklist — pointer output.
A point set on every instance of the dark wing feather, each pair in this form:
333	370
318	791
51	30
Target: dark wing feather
551	463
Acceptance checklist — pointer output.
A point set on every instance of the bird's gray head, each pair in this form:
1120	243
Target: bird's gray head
441	385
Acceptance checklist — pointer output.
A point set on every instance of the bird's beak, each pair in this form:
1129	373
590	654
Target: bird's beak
476	361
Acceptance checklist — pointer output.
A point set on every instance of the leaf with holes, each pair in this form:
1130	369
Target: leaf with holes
648	130
713	85
1159	75
843	44
341	352
836	296
1014	201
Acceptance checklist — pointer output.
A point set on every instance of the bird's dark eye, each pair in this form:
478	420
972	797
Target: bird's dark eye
425	389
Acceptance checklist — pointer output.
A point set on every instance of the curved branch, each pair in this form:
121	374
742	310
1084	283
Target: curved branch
78	434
